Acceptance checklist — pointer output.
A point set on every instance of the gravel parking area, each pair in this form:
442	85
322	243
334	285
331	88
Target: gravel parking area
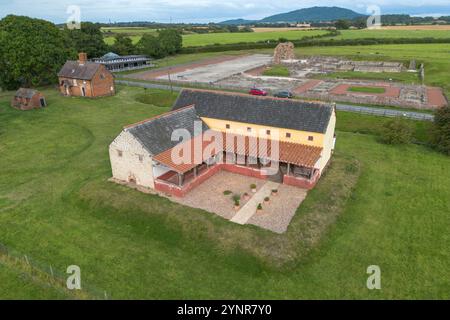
279	211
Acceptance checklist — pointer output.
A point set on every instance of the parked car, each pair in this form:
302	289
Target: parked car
284	94
258	92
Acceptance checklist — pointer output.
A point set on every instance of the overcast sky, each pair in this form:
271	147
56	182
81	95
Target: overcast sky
201	10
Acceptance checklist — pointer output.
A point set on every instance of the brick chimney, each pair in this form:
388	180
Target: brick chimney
82	58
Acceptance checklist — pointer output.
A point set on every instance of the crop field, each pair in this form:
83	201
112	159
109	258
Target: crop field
392	34
193	40
386	205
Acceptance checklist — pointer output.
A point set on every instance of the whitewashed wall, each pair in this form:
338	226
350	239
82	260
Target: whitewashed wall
129	165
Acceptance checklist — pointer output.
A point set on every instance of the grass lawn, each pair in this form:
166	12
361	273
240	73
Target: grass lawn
392	34
277	71
377	204
367	89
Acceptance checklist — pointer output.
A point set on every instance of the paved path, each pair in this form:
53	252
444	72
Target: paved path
249	209
339	106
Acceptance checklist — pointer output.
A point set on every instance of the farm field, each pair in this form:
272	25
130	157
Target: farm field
393	34
394	214
193	40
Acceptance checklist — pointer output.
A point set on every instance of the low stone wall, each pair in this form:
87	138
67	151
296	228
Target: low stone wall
302	182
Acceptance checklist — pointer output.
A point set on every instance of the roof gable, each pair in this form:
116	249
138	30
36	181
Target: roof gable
279	113
155	134
74	70
25	93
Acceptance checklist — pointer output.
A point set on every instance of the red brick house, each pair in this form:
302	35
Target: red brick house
27	99
83	78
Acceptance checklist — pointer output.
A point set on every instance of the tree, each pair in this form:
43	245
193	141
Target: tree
397	131
88	39
342	24
32	51
170	41
123	45
441	130
149	45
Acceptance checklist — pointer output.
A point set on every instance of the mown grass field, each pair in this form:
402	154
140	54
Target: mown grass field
391	205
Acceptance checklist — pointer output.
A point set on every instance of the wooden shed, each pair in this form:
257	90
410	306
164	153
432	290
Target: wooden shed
27	99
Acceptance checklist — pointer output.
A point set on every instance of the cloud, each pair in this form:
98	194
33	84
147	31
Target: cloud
199	10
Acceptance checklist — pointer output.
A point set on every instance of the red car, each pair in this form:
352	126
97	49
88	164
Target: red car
257	92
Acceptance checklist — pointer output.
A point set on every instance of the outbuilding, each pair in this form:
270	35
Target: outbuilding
83	78
26	99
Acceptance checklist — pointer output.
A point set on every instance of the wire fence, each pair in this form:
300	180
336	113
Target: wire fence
47	274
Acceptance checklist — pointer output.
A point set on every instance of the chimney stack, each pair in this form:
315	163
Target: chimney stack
82	58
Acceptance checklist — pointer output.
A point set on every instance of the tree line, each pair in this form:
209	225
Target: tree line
32	51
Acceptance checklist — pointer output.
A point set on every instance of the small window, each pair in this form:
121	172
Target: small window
102	76
249	129
227	126
141	157
288	134
268	132
119	153
310	138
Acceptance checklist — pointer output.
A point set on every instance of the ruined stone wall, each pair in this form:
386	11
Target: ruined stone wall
284	51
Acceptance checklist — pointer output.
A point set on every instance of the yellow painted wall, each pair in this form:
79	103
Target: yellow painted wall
260	131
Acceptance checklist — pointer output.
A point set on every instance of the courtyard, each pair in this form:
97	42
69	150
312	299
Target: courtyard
216	195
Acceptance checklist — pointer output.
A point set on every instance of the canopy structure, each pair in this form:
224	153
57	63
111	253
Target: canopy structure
189	154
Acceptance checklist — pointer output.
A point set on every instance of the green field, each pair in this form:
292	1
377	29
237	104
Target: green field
57	207
192	40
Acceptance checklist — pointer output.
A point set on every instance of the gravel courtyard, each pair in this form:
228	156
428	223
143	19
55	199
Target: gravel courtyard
276	214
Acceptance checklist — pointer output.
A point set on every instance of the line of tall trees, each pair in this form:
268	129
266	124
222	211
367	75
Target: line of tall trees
32	51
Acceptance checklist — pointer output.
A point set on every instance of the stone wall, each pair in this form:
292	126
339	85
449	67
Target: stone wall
284	51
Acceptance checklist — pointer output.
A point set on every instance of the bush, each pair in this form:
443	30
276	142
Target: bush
397	131
260	206
236	197
253	186
227	192
441	130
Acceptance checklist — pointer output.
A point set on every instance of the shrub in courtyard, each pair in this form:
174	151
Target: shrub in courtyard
260	207
274	192
266	199
227	192
237	204
253	187
236	197
441	130
397	131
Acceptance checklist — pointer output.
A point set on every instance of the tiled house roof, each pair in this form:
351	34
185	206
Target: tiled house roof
155	134
74	70
288	152
280	113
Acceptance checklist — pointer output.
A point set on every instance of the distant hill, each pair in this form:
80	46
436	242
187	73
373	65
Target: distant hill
314	14
238	22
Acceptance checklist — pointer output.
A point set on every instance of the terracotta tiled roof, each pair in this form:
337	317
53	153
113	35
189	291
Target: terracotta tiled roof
204	147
